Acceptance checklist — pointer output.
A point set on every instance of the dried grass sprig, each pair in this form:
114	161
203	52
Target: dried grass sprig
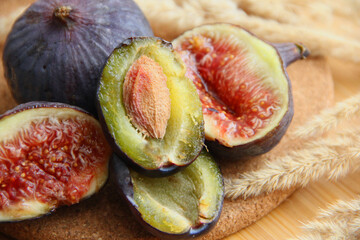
330	118
342	209
276	21
339	221
329	157
291	12
170	18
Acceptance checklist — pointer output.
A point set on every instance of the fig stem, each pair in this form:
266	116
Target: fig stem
290	52
62	14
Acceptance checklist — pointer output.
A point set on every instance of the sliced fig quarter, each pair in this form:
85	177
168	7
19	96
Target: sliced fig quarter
243	86
149	108
51	154
184	205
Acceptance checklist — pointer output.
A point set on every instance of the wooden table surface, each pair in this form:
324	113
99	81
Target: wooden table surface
284	222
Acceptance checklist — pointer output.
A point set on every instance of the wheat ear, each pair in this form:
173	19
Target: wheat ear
329	118
327	157
177	16
339	221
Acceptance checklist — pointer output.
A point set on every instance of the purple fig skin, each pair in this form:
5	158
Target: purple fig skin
290	52
40	104
122	156
58	58
120	175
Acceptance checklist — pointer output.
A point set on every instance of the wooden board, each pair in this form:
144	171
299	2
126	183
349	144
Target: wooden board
236	214
285	221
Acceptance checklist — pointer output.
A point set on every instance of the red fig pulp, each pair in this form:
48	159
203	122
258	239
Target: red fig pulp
50	155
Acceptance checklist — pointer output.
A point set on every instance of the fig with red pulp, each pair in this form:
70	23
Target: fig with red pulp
149	108
243	86
57	48
51	154
184	205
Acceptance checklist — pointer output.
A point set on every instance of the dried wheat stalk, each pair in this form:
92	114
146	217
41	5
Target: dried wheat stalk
303	12
331	157
339	221
275	21
330	118
342	210
328	157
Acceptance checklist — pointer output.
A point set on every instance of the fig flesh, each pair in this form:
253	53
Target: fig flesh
143	89
243	86
57	48
51	154
184	205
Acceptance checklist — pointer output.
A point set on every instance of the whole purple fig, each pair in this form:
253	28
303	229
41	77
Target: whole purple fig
57	48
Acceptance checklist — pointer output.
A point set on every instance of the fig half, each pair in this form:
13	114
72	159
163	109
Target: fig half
57	48
243	86
51	154
184	205
150	109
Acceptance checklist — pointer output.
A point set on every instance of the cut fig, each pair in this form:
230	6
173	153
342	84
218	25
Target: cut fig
57	48
51	154
150	109
184	205
243	86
